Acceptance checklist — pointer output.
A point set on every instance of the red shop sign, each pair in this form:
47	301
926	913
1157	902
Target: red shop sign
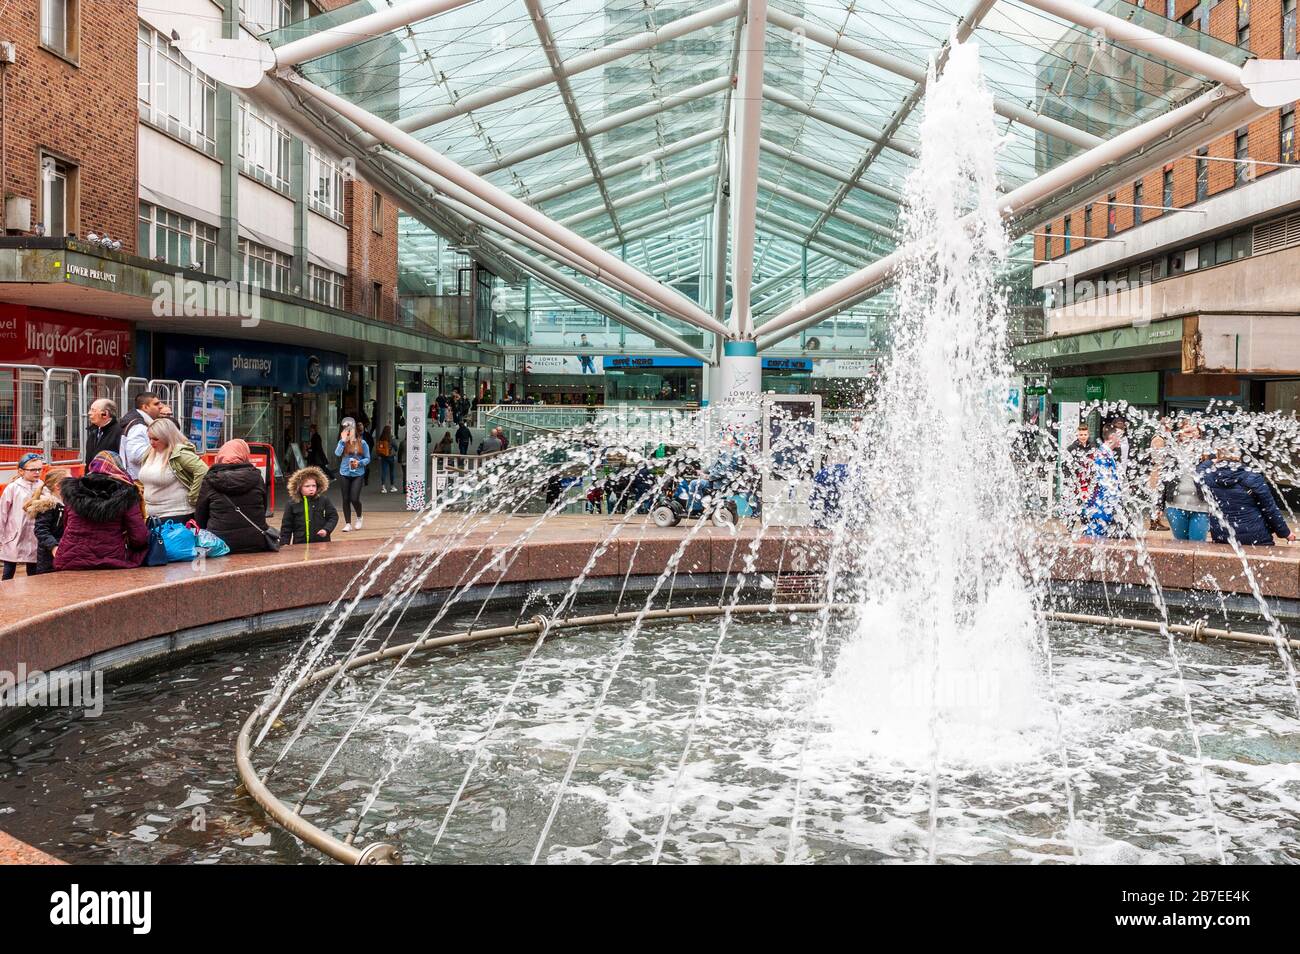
60	339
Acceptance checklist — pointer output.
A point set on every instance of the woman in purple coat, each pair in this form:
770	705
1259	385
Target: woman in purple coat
105	526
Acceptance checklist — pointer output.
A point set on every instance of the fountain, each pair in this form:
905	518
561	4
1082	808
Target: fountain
932	693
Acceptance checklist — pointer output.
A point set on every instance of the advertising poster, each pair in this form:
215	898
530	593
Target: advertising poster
208	418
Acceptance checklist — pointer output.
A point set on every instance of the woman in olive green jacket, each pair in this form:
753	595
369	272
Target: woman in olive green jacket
171	473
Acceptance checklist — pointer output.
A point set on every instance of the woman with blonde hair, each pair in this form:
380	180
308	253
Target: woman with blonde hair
171	474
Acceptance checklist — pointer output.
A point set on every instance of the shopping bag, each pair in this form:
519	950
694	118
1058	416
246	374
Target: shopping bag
209	541
179	541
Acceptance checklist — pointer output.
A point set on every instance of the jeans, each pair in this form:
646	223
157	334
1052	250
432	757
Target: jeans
388	471
1188	524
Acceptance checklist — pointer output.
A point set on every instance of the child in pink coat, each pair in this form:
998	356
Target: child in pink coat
17	528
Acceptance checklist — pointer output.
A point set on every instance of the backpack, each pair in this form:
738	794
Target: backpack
383	449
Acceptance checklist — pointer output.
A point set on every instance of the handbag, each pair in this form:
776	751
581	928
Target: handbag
270	534
156	555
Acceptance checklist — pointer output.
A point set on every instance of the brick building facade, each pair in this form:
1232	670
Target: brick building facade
1263	19
77	109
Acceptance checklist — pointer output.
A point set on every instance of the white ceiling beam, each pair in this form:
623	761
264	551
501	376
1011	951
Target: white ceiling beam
742	165
669	299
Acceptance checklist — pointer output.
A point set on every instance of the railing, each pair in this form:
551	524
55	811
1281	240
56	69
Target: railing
562	417
43	410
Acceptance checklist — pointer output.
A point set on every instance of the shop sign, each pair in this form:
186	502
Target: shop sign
1095	389
60	339
635	362
787	364
286	368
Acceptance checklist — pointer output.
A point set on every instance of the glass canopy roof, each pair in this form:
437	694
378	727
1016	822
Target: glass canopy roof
839	132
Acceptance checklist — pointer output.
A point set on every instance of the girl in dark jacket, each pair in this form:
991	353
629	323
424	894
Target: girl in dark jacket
1245	501
48	515
232	500
310	517
104	519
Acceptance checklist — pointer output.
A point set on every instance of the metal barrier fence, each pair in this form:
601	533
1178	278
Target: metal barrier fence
43	410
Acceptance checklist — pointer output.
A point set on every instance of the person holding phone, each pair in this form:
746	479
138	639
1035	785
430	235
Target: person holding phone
354	457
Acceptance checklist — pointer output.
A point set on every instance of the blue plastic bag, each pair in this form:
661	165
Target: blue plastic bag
179	541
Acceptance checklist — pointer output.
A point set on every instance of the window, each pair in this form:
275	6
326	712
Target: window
1202	174
1137	202
325	286
1047	240
265	267
1287	137
326	185
1243	23
1066	233
60	27
1087	224
169	237
377	212
172	94
1241	152
1167	189
1288	30
263	16
1110	214
58	196
263	147
376	298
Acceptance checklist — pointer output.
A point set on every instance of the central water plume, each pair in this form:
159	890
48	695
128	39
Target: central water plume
944	665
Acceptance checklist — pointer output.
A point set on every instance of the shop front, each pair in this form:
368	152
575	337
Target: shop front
44	357
787	375
637	379
564	379
280	391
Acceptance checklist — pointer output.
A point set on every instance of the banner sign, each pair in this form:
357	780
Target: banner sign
417	408
561	364
60	339
843	368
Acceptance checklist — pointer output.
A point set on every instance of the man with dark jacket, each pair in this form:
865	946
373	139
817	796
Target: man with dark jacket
105	431
1245	501
463	437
